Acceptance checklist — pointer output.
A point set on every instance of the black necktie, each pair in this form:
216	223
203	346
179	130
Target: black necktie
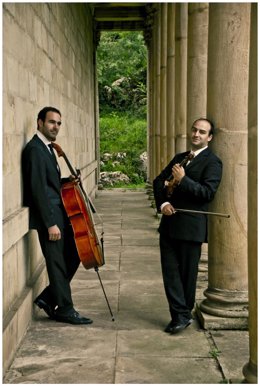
51	149
50	146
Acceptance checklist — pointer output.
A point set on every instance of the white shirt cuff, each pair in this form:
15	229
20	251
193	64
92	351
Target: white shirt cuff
164	204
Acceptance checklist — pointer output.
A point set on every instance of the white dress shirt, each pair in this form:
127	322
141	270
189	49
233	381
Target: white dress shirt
44	140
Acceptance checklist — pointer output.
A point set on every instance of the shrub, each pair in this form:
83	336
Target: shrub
123	133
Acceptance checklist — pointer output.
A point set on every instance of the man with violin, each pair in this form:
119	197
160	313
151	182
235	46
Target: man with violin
42	185
190	181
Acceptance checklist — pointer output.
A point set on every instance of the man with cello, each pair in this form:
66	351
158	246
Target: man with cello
42	194
190	181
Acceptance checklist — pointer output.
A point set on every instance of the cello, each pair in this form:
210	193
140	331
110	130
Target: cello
79	208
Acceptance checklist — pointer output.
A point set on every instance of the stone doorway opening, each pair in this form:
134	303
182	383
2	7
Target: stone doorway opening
122	89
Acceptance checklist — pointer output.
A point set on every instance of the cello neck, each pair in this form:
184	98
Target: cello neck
72	170
61	153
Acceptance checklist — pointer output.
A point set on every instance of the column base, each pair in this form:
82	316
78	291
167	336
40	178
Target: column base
225	303
250	372
213	322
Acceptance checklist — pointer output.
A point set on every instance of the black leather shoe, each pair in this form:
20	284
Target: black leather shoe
170	326
73	318
181	326
45	306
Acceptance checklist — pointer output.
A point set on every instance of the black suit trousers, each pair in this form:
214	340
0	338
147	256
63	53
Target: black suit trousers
62	262
179	261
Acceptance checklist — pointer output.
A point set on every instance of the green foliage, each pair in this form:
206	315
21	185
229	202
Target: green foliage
125	134
215	353
130	186
121	69
122	132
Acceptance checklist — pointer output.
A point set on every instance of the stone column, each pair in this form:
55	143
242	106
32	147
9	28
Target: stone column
228	61
149	115
163	86
197	77
153	156
149	40
150	125
197	62
154	95
181	76
250	369
170	82
157	53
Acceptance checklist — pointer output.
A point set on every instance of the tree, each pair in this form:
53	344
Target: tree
121	68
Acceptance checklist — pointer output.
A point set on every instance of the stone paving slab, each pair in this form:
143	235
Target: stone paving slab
138	370
141	319
134	348
140	252
132	343
228	343
64	354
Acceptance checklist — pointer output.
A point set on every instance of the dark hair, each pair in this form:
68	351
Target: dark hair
45	110
212	127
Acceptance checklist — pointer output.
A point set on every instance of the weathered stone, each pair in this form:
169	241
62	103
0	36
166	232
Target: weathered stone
227	289
40	70
134	348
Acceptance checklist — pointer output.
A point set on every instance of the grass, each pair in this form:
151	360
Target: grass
127	186
123	133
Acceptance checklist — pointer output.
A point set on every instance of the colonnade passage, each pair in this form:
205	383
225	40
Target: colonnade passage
202	62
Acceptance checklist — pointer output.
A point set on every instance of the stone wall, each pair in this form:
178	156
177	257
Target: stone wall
48	59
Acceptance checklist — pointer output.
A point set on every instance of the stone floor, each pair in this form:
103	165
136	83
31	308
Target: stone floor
134	348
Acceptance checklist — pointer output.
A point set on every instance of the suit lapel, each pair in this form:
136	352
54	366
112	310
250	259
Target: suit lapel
48	154
198	158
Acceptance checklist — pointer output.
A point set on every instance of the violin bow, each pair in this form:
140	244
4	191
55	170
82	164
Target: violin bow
201	212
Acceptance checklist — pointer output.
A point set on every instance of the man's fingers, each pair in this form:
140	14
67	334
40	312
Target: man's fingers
54	237
168	210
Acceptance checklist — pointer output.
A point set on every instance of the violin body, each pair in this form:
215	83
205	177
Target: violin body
86	239
171	183
170	186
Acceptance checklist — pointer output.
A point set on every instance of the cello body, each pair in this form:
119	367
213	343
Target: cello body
86	239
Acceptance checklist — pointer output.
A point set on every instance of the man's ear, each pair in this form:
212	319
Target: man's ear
40	123
210	137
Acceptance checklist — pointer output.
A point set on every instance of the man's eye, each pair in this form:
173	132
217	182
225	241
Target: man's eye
53	122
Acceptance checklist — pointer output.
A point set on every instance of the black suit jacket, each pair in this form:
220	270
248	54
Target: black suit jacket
196	190
41	186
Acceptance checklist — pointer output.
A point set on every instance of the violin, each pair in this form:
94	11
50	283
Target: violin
79	208
171	183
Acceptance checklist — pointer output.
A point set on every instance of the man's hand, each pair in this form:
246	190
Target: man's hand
75	178
178	172
54	233
168	210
